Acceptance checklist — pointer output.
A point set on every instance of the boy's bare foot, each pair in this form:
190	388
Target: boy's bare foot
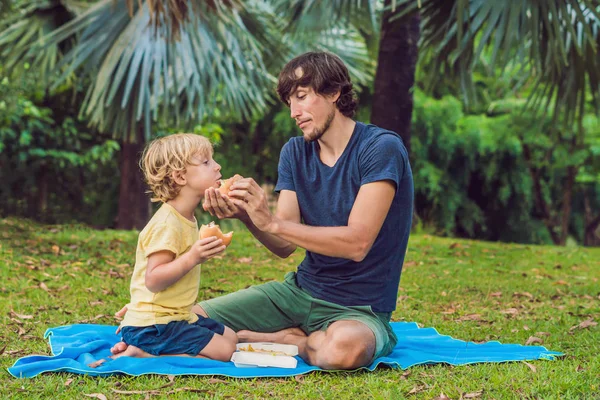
129	351
118	348
274	337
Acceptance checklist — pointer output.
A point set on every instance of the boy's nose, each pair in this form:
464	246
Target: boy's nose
217	166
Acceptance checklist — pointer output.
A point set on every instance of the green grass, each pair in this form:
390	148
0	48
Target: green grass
470	290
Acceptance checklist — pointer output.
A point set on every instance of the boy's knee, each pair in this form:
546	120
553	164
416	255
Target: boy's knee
226	352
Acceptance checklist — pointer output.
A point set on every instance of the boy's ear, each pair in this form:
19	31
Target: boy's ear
178	177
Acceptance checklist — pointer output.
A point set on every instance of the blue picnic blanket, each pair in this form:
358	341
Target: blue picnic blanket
74	347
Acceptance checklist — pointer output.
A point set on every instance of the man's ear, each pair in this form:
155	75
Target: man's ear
178	177
336	96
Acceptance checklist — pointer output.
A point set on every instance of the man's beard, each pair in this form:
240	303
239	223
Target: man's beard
318	132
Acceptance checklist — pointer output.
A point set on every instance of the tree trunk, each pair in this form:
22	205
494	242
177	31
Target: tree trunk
566	205
134	203
398	51
590	238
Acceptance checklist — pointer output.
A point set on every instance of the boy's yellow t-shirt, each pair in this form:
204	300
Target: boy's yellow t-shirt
167	230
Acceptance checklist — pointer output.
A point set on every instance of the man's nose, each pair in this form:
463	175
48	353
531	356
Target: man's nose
295	111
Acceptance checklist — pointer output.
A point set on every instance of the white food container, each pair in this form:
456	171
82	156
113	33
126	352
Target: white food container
262	354
246	359
273	348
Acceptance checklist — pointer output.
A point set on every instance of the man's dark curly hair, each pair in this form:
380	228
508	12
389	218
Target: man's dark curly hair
325	73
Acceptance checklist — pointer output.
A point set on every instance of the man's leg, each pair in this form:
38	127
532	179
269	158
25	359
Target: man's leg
344	345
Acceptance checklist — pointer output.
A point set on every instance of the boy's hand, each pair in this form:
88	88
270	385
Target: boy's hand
221	206
207	248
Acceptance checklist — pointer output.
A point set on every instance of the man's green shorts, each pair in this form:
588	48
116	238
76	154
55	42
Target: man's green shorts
274	306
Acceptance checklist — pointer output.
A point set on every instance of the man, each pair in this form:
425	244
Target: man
345	195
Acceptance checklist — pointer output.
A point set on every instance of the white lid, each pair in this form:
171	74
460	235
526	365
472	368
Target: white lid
273	348
252	359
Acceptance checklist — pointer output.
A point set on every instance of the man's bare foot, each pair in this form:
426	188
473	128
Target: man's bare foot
274	337
130	351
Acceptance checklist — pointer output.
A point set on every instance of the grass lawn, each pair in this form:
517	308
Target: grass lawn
477	291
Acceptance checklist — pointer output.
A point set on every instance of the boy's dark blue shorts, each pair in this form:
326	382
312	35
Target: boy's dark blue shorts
176	337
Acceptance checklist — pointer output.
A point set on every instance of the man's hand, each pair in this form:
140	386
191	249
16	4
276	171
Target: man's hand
221	206
247	195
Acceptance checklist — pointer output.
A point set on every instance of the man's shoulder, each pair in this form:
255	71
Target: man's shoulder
375	135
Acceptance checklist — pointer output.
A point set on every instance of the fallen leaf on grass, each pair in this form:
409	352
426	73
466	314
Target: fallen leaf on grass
245	260
44	287
511	311
496	294
442	396
561	282
543	333
22	316
579	368
417	389
531	366
97	317
585	324
215	380
55	250
2	349
523	294
405	375
533	339
470	317
299	378
68	381
472	395
146	392
96	396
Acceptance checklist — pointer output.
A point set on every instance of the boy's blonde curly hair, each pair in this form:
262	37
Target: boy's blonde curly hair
168	154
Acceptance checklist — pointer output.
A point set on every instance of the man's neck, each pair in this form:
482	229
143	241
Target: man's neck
333	143
185	205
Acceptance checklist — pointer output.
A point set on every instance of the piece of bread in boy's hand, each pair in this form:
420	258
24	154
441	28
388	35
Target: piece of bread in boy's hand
226	184
213	229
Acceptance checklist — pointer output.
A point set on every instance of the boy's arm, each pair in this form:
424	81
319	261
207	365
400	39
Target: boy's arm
353	241
163	269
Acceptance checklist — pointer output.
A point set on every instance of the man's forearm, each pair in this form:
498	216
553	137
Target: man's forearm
336	241
276	245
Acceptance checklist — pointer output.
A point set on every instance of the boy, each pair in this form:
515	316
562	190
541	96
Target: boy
165	280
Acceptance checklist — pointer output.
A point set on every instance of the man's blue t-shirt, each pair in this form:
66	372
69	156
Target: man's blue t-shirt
326	196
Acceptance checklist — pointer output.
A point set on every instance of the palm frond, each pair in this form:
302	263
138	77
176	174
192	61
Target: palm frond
18	32
336	26
315	16
141	72
555	42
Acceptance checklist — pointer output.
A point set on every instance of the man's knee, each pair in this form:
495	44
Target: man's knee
342	349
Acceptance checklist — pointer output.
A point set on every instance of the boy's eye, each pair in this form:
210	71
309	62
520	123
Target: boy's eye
205	162
300	96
